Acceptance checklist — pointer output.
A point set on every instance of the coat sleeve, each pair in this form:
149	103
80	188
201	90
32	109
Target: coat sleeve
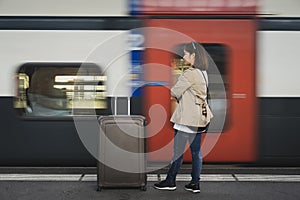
180	87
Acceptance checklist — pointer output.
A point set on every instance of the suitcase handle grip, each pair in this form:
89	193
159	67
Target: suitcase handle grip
116	105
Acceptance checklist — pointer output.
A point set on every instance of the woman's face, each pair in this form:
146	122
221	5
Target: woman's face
189	59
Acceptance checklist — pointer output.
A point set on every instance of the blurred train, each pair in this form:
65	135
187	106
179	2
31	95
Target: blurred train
66	59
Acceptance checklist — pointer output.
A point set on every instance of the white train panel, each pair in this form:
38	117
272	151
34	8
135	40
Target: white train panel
279	8
63	8
278	66
108	49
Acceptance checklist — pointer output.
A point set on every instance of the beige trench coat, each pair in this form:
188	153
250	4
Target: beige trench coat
190	91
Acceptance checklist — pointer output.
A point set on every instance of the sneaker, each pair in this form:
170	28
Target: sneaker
165	185
193	187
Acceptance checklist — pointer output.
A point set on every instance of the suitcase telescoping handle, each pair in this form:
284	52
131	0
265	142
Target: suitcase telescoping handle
116	105
128	105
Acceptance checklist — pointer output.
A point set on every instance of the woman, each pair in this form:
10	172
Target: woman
191	117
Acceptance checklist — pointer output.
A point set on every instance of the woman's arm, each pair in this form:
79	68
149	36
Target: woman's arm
180	87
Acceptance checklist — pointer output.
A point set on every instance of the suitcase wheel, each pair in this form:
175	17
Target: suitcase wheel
144	188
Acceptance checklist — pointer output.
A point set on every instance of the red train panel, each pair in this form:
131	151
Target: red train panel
237	142
194	7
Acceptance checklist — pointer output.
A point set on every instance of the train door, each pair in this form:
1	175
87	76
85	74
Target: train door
231	44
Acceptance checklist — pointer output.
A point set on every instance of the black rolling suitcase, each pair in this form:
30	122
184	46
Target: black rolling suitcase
121	151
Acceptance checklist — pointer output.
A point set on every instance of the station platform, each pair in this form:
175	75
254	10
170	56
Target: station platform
217	182
156	169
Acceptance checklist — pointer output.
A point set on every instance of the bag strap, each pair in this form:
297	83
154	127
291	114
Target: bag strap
204	78
206	82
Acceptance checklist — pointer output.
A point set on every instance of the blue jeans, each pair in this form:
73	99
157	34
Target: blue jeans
180	139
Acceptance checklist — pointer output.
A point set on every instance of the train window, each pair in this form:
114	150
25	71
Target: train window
218	82
60	90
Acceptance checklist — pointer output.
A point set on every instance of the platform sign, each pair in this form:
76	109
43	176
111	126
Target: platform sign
136	41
